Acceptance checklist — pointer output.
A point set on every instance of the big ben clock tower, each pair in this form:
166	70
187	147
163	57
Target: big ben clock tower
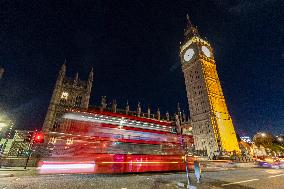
213	129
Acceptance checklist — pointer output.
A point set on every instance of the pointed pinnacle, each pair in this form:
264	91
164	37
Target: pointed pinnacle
188	20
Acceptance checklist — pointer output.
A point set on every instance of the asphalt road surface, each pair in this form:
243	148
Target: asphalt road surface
233	178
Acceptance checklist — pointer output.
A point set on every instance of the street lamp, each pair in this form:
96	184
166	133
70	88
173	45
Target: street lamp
2	125
279	138
6	126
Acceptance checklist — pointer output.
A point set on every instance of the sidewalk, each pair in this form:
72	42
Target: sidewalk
220	164
15	168
17	171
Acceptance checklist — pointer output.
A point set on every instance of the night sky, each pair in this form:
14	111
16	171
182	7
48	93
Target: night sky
133	47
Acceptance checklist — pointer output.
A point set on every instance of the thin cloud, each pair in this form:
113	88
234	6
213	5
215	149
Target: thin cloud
243	6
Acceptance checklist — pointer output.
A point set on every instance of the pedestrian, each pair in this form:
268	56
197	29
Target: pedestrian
197	170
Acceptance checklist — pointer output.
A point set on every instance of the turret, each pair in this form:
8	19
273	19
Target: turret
178	107
178	125
179	111
158	114
61	74
114	106
90	80
127	108
148	112
103	103
76	77
168	116
89	86
183	116
58	85
55	99
138	109
91	76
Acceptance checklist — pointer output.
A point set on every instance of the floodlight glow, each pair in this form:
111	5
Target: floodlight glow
3	125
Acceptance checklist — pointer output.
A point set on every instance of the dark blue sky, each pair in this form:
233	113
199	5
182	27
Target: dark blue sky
133	47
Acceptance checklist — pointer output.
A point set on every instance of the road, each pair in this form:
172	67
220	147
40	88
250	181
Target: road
233	178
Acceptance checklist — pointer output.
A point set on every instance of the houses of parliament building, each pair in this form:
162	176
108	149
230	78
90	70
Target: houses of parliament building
212	126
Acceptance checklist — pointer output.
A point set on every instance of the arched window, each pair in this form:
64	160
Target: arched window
78	101
63	101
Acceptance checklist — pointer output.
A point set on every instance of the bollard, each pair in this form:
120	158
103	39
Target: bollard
197	171
187	172
187	175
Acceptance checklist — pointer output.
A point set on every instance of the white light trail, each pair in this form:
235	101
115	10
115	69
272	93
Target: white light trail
239	182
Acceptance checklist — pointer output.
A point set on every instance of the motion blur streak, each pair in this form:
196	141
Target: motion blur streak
59	167
140	162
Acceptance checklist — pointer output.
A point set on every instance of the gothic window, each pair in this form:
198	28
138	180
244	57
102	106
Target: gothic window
52	140
54	126
78	101
63	101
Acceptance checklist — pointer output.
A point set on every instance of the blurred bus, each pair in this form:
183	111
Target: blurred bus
105	142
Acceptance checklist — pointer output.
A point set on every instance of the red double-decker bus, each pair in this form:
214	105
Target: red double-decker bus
105	142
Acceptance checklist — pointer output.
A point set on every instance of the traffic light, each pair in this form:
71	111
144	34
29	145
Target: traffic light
38	137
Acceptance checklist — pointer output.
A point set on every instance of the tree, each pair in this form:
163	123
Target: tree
279	140
264	139
268	141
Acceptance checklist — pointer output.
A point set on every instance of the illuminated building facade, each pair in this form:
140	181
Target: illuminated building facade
246	139
68	93
213	129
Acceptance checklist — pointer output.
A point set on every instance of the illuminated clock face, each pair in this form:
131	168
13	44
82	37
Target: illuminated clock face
188	54
64	95
206	51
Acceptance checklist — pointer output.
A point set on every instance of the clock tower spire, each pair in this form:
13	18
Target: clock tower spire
213	129
190	30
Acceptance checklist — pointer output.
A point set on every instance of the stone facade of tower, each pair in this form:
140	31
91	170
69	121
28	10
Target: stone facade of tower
1	72
68	93
213	129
